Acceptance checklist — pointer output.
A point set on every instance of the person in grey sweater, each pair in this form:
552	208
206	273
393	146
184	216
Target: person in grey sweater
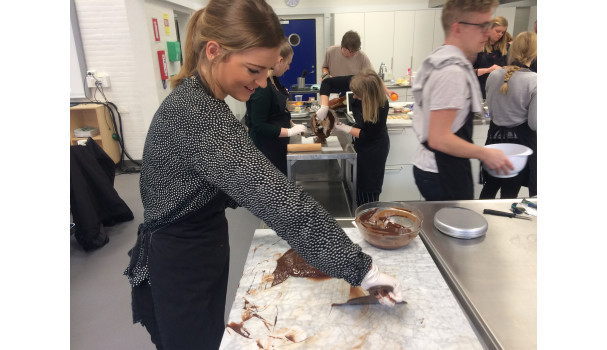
512	102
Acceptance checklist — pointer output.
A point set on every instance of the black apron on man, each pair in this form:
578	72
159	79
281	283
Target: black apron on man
455	173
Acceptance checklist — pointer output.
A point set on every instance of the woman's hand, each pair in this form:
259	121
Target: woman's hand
374	278
321	114
343	127
297	129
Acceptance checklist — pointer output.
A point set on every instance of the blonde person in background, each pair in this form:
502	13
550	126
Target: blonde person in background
371	141
198	160
494	53
512	102
447	96
267	117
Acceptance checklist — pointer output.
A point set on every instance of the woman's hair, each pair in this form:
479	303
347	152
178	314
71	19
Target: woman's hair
236	25
457	10
368	86
502	44
285	51
522	51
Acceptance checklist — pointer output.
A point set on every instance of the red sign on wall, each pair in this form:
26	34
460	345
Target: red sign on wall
156	31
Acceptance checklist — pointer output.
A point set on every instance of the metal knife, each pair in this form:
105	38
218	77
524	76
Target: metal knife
368	299
504	213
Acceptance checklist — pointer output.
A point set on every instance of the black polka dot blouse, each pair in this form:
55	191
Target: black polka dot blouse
196	147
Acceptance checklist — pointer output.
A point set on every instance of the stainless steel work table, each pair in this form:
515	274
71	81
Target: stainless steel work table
494	276
346	156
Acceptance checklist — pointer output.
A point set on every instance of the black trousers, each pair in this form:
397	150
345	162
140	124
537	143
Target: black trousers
189	261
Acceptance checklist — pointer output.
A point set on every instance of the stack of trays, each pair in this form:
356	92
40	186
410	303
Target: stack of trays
460	223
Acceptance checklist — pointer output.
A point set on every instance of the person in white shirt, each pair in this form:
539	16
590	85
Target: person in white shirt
447	95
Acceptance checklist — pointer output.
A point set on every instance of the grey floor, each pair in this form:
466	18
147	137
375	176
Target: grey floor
100	311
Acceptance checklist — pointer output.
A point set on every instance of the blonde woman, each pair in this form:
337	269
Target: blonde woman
198	160
494	54
372	144
512	102
267	117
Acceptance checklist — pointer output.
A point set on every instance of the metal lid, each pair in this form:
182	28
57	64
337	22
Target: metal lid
460	223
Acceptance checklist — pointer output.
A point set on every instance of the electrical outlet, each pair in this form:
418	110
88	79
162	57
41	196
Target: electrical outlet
90	82
105	81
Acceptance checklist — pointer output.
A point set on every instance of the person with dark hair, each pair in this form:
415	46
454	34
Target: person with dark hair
347	59
197	160
372	143
512	102
447	95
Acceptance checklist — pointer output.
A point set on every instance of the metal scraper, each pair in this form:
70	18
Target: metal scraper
368	299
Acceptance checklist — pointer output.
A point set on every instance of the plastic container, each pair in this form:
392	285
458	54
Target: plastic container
517	154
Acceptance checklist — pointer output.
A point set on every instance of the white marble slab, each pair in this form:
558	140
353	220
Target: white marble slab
297	314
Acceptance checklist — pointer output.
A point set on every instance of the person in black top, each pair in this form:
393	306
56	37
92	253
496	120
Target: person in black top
267	117
372	144
495	53
197	160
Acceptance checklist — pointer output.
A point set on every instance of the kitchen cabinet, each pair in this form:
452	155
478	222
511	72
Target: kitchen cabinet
399	183
423	36
98	116
344	22
379	39
403	42
400	39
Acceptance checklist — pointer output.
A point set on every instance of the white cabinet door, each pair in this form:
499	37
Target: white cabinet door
344	22
403	42
403	144
399	184
379	38
423	36
439	32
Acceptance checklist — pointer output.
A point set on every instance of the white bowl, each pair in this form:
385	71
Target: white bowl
517	154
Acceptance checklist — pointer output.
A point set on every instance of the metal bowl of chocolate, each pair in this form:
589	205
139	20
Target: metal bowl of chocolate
388	225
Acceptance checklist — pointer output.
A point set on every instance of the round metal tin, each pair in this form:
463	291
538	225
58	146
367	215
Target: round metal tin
460	223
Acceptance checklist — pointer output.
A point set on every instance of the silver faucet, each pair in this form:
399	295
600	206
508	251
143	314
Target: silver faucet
382	71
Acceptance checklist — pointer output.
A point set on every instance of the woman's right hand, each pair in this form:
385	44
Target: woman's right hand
297	129
495	159
321	114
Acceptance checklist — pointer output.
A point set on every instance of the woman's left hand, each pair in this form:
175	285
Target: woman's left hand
343	127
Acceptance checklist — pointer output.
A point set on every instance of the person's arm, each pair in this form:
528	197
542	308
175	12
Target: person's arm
260	109
441	138
532	113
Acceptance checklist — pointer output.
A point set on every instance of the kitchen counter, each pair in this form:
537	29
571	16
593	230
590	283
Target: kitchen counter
297	314
495	276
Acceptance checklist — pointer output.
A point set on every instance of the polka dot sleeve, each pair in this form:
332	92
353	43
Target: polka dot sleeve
196	147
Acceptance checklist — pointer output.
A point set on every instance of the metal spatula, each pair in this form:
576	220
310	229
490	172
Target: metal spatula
368	299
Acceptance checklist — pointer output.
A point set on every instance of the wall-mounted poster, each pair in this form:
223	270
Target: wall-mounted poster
156	30
166	23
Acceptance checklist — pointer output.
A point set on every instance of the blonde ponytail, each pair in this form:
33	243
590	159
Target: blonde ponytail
507	77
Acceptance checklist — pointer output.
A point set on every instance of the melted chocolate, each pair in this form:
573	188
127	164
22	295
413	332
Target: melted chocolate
292	264
379	222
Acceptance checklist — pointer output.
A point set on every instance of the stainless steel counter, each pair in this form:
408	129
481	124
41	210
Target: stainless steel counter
346	156
495	276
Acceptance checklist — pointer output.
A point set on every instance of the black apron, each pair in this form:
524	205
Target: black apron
522	135
455	173
182	306
275	148
371	161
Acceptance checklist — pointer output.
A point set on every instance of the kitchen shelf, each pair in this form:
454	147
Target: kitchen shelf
97	116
